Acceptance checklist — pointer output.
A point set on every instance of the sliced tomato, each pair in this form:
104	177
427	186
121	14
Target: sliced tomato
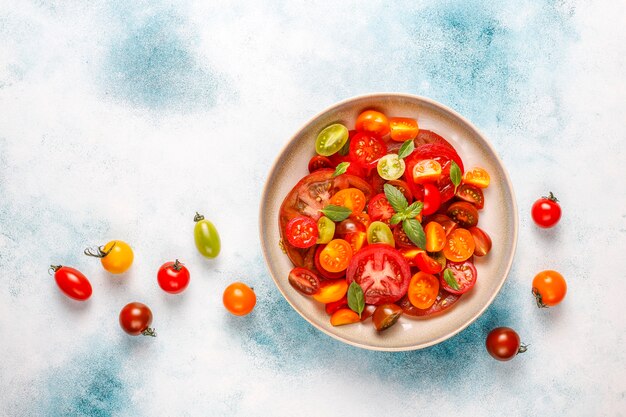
465	275
464	213
446	222
366	149
353	168
352	198
482	241
432	199
324	273
356	240
459	246
471	194
302	232
362	218
379	208
372	121
427	136
427	264
410	254
435	237
336	305
426	170
319	162
404	189
440	153
376	182
381	271
331	291
344	316
403	128
477	176
304	281
336	256
400	237
443	302
423	290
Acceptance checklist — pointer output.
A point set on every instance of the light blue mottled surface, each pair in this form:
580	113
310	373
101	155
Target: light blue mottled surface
119	120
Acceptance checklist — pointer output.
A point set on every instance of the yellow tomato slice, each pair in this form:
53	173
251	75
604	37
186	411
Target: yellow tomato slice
478	177
426	170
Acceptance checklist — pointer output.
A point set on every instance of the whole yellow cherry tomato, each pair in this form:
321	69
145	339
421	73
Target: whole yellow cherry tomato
116	256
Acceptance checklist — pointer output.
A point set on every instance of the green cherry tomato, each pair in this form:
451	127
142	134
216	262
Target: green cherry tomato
326	229
391	167
206	237
331	139
379	232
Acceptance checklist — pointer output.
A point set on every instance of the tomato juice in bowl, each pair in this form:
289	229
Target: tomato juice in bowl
498	217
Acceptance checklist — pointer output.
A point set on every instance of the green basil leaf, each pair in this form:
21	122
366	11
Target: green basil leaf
395	198
415	232
413	210
455	174
356	299
345	149
397	218
406	149
341	168
336	213
448	276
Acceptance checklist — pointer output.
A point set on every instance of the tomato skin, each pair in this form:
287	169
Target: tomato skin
464	213
173	277
385	316
425	137
423	290
336	305
471	194
239	299
206	237
318	162
403	128
549	288
304	281
72	282
372	121
546	211
432	199
482	241
503	343
135	319
379	208
367	149
302	232
324	273
410	254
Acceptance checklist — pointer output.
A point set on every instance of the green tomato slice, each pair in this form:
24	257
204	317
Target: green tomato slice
391	167
326	228
331	139
379	232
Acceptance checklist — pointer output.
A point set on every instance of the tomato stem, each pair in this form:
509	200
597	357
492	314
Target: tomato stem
98	252
149	332
198	217
522	348
538	298
551	197
54	268
177	265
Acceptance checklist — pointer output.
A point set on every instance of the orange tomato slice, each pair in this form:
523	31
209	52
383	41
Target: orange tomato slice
435	237
423	290
426	170
336	256
344	316
356	240
477	176
352	198
459	246
362	218
331	291
403	128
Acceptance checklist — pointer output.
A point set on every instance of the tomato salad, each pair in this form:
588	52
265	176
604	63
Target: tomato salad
385	224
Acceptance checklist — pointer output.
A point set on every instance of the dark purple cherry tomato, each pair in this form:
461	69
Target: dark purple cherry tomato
135	319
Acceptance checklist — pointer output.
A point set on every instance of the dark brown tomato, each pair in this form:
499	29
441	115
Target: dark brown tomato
400	237
319	162
304	281
464	213
471	194
427	136
385	316
404	189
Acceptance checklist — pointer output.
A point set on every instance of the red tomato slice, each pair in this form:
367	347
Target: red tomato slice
440	153
379	208
324	273
301	232
366	149
382	272
443	302
319	162
426	136
427	264
465	275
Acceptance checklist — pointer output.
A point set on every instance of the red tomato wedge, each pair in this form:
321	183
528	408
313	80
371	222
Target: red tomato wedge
379	208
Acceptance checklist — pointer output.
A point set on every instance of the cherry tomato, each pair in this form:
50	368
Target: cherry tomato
373	122
446	222
385	316
471	194
379	208
116	256
464	274
173	277
367	312
477	176
432	199
336	256
336	305
376	182
404	189
423	290
362	218
546	211
319	162
352	198
464	213
482	241
443	302
349	225
239	299
206	237
444	154
379	232
435	237
331	139
331	291
304	281
426	170
356	240
410	254
344	316
302	232
390	167
400	237
366	149
381	271
72	282
427	264
549	288
459	246
325	230
403	128
324	273
503	343
135	319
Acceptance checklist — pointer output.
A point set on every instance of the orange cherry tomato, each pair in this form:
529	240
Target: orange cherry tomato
423	290
356	240
336	256
331	291
352	198
403	128
410	254
549	288
362	218
459	246
435	237
426	170
373	121
344	316
239	299
477	176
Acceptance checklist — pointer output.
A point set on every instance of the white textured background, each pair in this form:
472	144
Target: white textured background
120	120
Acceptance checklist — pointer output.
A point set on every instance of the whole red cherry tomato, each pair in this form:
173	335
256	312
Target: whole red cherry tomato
72	282
173	277
432	199
135	319
503	344
546	211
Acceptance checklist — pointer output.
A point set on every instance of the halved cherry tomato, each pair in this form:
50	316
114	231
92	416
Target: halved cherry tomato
319	162
427	264
356	240
379	232
440	258
549	288
336	256
367	312
352	198
410	254
423	290
435	237
471	194
432	199
400	237
325	230
464	213
385	316
443	302
403	128
404	189
362	218
331	291
390	167
372	121
331	139
443	154
366	149
376	182
304	281
477	176
336	305
349	225
446	222
459	246
302	232
344	316
324	273
427	136
482	241
379	208
426	170
464	274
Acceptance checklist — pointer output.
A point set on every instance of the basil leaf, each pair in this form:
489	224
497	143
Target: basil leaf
415	232
395	198
397	218
356	299
448	276
413	210
406	149
341	169
455	174
336	213
345	149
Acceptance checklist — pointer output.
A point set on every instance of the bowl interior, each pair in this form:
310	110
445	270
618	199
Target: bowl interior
498	218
